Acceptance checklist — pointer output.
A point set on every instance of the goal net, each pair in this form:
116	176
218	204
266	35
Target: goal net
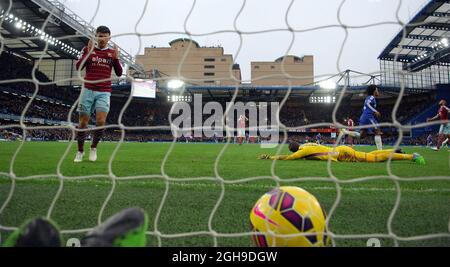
174	143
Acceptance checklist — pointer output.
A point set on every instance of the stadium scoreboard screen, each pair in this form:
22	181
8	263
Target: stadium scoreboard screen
321	99
144	88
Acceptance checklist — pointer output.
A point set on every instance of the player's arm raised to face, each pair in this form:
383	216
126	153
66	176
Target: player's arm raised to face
118	68
116	62
85	53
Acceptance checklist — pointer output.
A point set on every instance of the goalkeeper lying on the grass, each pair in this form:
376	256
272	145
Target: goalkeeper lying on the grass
342	153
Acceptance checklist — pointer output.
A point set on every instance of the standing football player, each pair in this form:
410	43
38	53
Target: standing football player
369	117
318	138
98	60
241	128
444	130
351	125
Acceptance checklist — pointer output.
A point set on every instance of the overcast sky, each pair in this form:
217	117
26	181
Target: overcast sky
360	51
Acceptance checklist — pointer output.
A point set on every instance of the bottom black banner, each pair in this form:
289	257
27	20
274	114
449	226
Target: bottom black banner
222	256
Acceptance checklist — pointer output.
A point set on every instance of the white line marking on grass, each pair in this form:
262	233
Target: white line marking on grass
199	185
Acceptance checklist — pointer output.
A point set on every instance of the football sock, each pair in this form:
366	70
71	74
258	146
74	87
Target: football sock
98	134
440	141
80	137
378	142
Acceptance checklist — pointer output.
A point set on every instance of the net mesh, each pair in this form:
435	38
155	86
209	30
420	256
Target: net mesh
217	178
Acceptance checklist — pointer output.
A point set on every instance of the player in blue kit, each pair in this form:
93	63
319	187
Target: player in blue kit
370	117
318	138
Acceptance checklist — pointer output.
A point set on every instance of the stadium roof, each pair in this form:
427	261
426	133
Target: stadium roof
266	93
426	39
22	30
184	40
280	59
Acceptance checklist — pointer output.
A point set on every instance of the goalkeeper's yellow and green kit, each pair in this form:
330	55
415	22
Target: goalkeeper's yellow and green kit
343	153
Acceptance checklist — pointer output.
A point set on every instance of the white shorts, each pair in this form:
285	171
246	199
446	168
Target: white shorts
241	132
445	129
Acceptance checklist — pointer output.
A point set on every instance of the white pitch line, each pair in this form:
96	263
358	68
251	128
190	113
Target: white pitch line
199	184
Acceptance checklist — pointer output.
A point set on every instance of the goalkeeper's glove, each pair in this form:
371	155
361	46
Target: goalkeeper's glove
264	156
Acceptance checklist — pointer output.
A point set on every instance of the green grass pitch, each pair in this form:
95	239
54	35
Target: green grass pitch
364	207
